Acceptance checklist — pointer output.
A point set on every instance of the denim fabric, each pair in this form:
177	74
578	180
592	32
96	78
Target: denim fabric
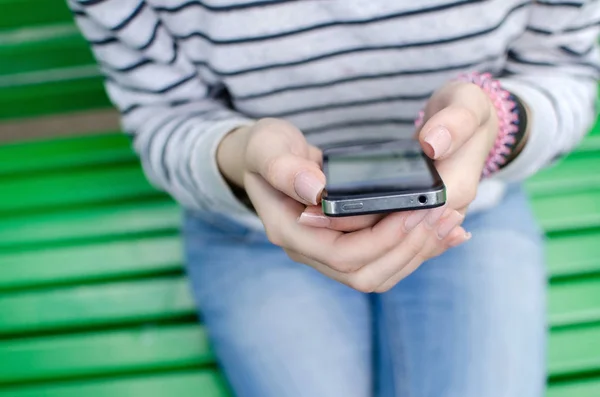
470	323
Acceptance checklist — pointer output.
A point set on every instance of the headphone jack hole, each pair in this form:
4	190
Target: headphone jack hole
423	199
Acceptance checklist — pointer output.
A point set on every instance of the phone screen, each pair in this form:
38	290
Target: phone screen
394	166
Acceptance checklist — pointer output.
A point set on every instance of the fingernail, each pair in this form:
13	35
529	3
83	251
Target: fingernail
439	139
434	216
308	187
308	218
449	223
414	219
458	241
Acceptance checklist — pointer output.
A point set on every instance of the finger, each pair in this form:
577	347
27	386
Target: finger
372	275
462	109
274	208
461	173
438	240
341	251
280	154
348	252
457	237
313	216
344	252
315	154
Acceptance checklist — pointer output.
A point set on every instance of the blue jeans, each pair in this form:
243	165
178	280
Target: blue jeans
470	323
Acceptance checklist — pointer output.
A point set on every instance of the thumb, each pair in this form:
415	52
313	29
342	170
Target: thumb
463	110
278	152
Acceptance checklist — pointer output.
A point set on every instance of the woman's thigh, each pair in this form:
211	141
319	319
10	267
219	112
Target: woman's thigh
279	329
471	322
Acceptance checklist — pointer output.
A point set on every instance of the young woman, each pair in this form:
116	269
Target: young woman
228	101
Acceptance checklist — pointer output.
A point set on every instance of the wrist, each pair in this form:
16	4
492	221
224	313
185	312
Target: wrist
231	154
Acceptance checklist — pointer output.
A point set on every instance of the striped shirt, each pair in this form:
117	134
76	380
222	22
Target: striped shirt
185	73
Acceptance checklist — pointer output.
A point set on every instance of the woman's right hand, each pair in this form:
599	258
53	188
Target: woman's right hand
282	176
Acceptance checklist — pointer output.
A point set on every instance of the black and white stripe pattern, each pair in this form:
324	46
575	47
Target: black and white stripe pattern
185	72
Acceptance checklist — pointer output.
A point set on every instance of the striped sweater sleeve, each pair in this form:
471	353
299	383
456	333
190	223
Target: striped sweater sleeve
554	68
175	118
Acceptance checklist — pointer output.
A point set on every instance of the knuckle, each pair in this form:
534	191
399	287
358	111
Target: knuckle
413	247
294	256
466	116
271	167
471	90
274	169
274	236
469	192
363	284
385	287
340	263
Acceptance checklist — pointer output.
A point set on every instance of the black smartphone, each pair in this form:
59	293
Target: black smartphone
378	177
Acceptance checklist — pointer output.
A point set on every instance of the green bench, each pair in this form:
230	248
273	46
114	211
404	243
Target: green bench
93	299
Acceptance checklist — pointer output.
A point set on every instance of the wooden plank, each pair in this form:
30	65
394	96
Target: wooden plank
40	48
58	154
577	211
197	383
88	306
574	253
591	143
137	349
570	302
18	233
75	187
579	388
578	173
568	212
64	94
574	350
18	13
104	260
574	301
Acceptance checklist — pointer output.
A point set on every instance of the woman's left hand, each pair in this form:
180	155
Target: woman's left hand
459	130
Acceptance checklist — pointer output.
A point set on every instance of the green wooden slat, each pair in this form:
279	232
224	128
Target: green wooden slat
574	350
568	212
577	211
91	262
575	174
18	13
53	97
87	306
573	253
199	383
567	255
65	153
43	48
89	223
72	187
596	127
139	349
575	301
579	388
572	302
591	143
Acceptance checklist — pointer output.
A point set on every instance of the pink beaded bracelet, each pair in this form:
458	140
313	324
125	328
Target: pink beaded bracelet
508	119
